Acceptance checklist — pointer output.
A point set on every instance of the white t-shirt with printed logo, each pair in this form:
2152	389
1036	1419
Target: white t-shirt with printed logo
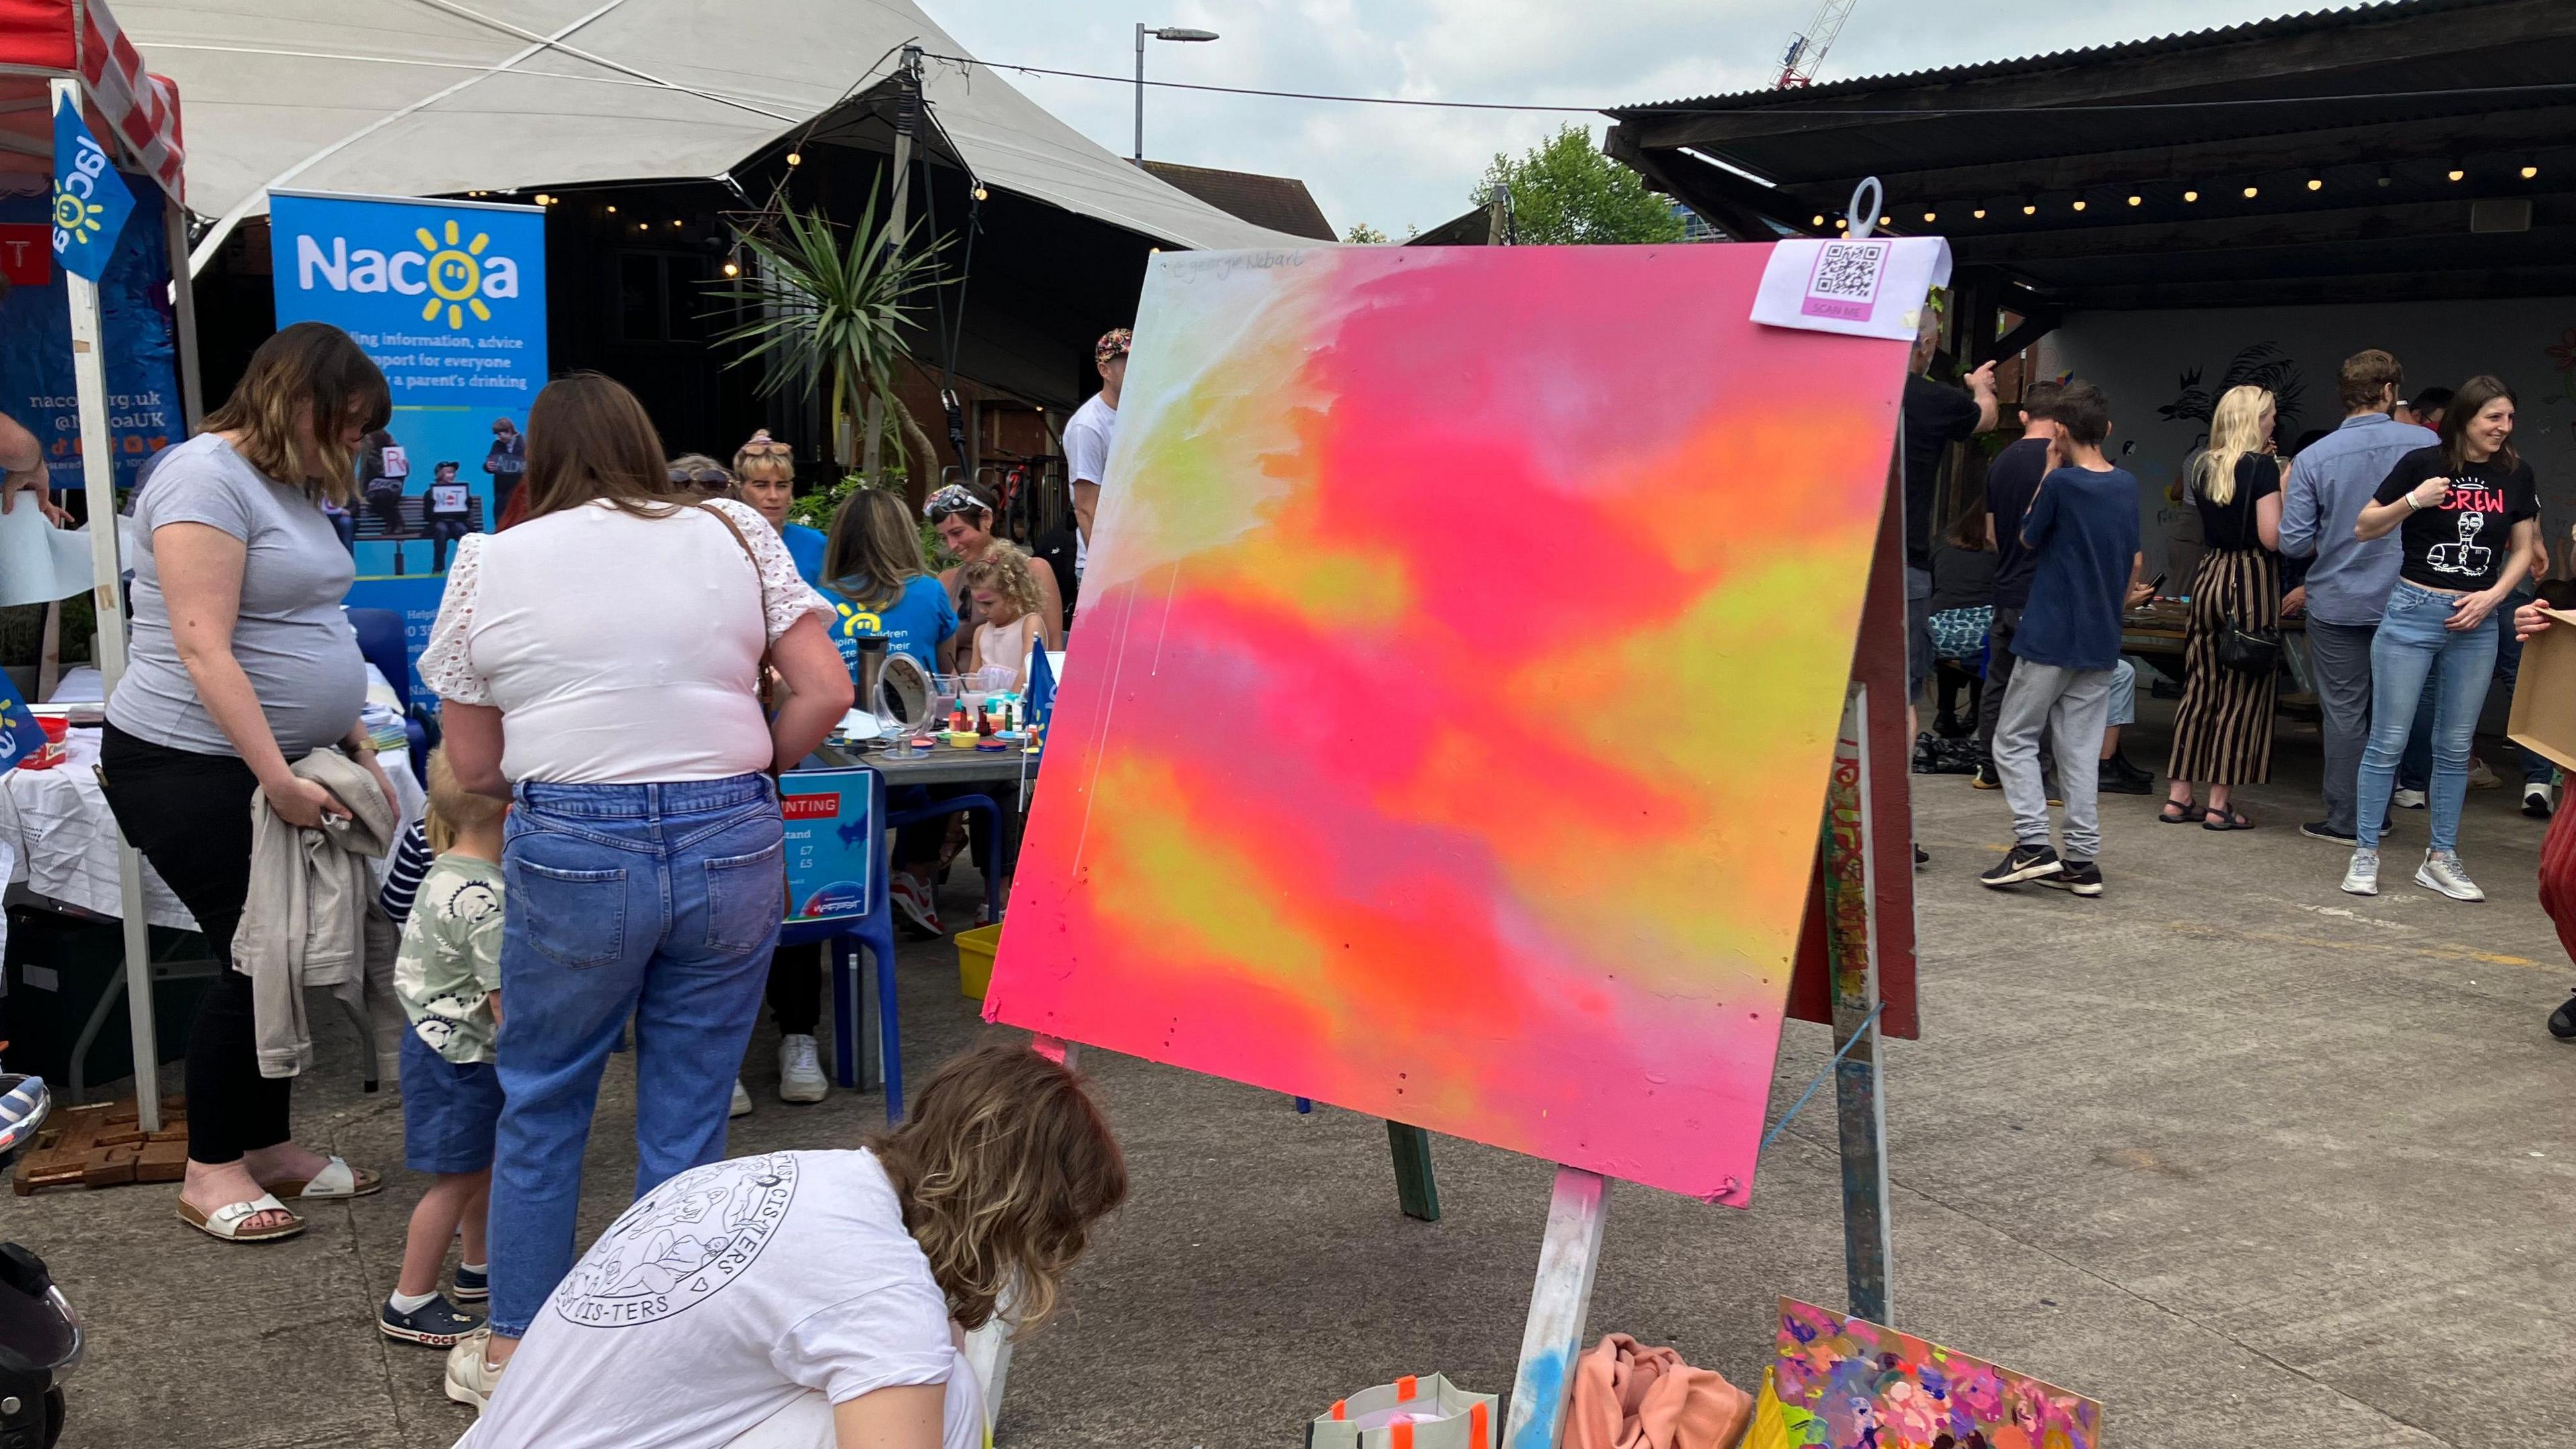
721	1299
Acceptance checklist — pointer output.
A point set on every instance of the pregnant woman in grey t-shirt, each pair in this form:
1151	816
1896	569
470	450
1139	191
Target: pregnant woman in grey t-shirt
242	664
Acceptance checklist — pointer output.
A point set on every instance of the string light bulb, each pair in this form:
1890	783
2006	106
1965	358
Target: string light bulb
732	270
2529	171
979	191
2316	183
793	159
1887	221
2458	175
2030	211
2137	200
2251	192
675	223
1979	213
1840	223
2191	196
2079	206
1931	216
1817	220
612	209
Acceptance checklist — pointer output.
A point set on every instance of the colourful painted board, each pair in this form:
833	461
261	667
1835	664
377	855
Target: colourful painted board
1847	1383
1459	666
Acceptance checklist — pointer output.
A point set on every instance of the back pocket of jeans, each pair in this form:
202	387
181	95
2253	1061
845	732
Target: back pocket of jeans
575	918
746	897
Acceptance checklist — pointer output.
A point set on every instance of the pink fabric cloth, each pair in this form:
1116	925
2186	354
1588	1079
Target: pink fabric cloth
1628	1396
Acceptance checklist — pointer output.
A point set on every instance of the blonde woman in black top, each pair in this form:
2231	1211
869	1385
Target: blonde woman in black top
2223	728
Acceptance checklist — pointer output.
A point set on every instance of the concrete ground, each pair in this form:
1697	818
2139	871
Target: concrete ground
2251	1161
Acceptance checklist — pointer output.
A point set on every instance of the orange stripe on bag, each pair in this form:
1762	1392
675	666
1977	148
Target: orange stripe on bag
1479	1426
1404	1389
1399	1436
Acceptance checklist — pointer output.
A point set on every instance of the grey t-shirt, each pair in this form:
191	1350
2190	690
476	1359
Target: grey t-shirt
292	638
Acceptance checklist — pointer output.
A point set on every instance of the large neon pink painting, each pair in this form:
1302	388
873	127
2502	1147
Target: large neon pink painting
1457	675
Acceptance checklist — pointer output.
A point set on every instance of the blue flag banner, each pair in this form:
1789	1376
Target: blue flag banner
449	299
90	200
36	386
19	733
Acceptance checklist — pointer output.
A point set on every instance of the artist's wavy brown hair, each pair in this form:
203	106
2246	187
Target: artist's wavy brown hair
2463	409
590	441
1002	1168
1005	570
303	387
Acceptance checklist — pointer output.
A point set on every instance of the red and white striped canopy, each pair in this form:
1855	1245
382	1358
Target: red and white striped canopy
41	39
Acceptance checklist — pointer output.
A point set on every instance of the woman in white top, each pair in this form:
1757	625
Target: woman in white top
601	664
814	1300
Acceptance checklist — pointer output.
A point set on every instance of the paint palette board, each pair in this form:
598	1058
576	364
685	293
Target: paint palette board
1848	1383
1525	580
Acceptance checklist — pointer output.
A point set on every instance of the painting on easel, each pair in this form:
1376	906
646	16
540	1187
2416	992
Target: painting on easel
1848	1383
1462	652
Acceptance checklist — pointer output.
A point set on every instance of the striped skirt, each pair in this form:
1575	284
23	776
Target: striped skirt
2223	730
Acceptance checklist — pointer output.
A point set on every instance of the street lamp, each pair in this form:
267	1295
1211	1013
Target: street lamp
1168	32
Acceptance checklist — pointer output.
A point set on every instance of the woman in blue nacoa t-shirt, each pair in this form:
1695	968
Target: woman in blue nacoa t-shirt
879	584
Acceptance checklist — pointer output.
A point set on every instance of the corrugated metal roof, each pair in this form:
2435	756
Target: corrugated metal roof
2277	28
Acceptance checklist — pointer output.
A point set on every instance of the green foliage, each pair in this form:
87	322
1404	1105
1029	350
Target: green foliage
821	310
1363	234
1565	192
816	509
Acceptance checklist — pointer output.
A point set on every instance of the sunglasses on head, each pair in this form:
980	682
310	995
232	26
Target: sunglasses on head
703	477
766	449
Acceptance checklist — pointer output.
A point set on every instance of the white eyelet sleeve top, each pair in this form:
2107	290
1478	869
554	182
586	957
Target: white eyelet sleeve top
619	649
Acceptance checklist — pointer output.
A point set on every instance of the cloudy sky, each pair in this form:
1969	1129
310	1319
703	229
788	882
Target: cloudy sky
1395	167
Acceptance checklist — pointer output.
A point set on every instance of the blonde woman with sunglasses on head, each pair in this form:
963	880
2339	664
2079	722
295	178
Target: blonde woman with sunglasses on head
764	476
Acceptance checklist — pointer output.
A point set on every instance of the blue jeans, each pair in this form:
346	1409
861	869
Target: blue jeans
2413	645
659	901
2417	765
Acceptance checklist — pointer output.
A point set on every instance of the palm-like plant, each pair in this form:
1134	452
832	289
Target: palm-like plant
826	309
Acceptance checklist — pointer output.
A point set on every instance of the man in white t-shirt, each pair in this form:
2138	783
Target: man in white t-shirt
1086	438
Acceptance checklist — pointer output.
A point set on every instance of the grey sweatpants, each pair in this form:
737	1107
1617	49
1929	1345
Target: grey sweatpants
2339	660
2072	705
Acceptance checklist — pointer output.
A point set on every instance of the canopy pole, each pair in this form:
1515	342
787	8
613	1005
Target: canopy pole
183	310
98	479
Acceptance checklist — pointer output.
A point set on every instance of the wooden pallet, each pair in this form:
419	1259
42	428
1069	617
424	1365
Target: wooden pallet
104	1145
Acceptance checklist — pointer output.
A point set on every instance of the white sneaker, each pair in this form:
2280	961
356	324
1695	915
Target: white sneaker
2441	872
471	1378
2406	799
2361	878
800	1069
741	1100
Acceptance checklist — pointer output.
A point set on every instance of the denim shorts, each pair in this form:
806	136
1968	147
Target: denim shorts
450	1109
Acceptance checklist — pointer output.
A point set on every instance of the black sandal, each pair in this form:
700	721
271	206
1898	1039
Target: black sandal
2229	819
2190	809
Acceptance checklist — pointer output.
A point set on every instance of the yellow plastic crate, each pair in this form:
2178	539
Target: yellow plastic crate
975	959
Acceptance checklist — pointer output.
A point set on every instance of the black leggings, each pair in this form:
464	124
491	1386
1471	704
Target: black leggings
189	815
796	988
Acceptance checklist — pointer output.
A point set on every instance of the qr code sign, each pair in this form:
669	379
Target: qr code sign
1845	282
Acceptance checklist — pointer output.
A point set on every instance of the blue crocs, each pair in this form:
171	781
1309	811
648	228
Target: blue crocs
435	1324
471	1286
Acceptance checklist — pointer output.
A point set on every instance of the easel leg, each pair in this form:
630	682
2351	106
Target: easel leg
1559	1305
1852	943
1416	1190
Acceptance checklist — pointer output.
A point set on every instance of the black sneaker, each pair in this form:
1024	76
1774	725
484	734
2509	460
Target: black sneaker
2119	777
2562	1022
2026	862
2081	877
435	1324
2320	830
2535	801
1920	858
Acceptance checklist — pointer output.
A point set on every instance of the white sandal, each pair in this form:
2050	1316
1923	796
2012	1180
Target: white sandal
226	1222
337	1179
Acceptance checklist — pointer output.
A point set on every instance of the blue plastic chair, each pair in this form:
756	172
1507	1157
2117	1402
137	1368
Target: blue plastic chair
380	639
874	929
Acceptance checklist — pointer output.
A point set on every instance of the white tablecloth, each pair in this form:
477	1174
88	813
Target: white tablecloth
57	825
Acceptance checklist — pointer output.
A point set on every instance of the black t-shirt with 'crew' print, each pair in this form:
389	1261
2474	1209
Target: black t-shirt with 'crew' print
2461	543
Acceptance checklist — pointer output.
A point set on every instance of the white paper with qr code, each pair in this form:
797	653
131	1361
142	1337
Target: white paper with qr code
1871	287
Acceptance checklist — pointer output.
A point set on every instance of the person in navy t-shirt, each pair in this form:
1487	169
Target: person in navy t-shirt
2082	529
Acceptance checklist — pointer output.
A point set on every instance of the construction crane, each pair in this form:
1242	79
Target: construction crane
1806	52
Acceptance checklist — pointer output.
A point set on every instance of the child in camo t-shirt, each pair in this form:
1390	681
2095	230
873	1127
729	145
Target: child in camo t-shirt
448	978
